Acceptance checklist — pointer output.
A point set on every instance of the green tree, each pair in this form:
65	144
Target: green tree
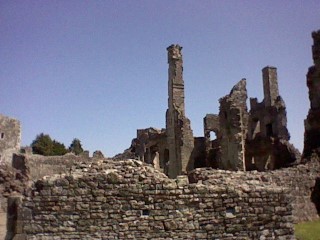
44	145
75	147
58	149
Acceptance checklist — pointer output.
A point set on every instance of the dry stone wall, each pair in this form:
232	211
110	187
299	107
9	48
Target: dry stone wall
303	182
131	200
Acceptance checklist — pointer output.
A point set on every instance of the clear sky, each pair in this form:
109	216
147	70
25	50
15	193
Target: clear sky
97	70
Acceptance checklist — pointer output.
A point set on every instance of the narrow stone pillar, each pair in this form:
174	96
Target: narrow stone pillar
270	85
180	140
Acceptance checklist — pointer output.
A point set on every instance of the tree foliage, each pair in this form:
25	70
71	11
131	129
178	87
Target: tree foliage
44	145
58	149
75	147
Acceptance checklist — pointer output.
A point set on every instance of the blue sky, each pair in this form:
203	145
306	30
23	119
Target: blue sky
97	70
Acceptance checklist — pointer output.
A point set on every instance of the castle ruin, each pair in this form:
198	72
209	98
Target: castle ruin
103	198
245	140
170	149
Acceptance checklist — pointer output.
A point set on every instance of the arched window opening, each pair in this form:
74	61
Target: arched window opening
213	136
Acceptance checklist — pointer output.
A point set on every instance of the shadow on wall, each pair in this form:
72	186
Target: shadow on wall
315	195
12	216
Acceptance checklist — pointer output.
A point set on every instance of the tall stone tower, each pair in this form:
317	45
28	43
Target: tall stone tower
312	123
180	141
270	85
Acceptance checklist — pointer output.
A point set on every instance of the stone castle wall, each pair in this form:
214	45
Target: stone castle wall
24	168
303	182
130	200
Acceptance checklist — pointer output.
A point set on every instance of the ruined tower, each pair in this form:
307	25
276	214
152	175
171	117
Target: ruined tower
267	145
269	118
312	123
180	141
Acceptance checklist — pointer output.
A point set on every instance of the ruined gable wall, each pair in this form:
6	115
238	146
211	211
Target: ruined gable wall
303	182
129	200
233	122
10	138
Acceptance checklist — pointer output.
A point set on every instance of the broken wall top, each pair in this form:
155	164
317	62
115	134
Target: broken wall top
211	122
150	133
129	200
174	52
313	75
136	172
237	96
316	47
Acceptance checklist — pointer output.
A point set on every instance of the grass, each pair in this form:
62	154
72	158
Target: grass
308	230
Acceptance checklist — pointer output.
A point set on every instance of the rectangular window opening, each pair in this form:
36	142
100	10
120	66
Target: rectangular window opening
145	212
269	130
230	212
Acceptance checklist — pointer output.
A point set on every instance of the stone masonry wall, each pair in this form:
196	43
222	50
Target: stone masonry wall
23	168
10	138
233	116
312	123
131	200
39	166
180	141
303	182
